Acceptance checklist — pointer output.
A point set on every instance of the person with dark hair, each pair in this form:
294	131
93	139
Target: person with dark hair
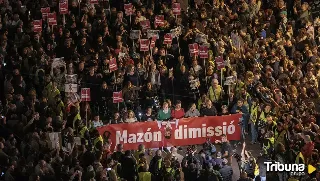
129	166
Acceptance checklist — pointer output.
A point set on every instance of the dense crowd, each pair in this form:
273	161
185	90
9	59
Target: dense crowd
269	48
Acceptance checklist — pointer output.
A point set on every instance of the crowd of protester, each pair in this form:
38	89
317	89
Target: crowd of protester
275	68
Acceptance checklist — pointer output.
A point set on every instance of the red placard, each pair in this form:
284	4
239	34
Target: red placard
45	12
167	39
85	95
176	8
117	97
144	45
52	19
193	49
203	51
145	25
128	9
186	131
63	7
94	1
113	65
159	20
220	62
37	26
153	42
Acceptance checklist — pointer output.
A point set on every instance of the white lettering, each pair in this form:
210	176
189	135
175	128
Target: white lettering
224	128
148	136
296	169
210	131
140	136
132	138
121	137
185	131
157	136
218	131
178	133
204	130
194	132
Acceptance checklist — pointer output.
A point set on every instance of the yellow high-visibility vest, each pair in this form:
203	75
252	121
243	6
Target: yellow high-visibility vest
82	133
256	169
298	158
97	140
77	117
254	113
280	137
266	148
214	94
144	176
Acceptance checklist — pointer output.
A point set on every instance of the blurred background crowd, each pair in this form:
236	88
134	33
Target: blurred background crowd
268	47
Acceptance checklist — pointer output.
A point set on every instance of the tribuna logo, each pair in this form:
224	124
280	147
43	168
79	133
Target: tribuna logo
293	169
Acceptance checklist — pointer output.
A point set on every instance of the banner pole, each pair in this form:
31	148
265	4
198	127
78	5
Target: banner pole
178	45
64	20
86	117
228	94
221	76
79	4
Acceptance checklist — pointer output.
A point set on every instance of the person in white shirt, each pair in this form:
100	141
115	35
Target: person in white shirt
96	122
131	117
192	112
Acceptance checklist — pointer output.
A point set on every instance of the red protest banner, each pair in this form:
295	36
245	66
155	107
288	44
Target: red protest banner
37	26
128	9
45	12
85	94
167	39
176	9
144	45
113	65
159	20
63	7
220	62
186	131
145	25
94	1
194	49
203	51
52	19
153	42
117	97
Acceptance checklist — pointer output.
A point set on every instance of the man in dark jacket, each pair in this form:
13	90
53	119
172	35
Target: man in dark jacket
226	171
156	164
129	167
209	110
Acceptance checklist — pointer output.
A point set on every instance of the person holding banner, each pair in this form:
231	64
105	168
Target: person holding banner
215	93
164	114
